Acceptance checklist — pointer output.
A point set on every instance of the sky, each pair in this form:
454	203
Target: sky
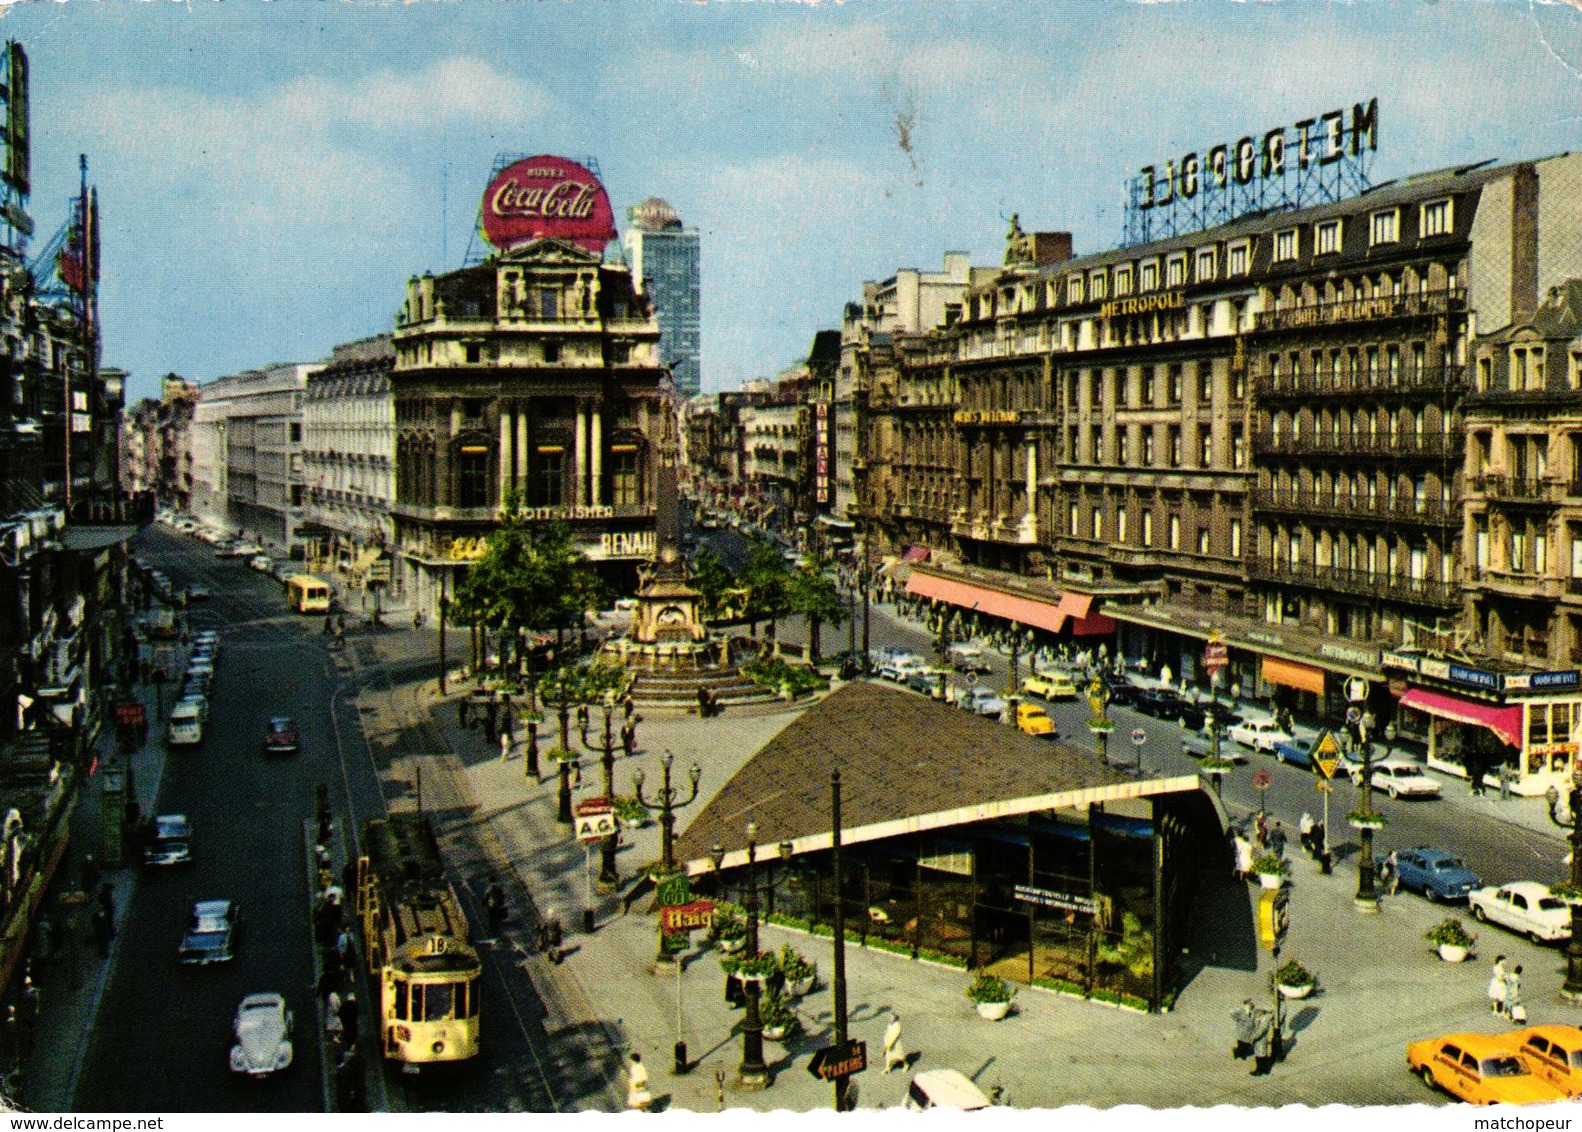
270	174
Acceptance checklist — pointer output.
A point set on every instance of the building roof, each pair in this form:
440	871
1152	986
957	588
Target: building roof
908	764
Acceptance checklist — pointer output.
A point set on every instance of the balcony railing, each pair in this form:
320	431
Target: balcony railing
1515	489
132	510
1363	583
1427	444
1440	380
1430	510
1362	310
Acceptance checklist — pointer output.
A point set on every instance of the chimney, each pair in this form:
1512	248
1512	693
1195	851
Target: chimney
1524	244
1051	247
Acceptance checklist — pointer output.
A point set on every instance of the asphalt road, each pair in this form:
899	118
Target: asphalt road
164	1032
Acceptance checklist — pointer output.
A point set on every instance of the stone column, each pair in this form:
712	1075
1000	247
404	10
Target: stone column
597	463
505	453
521	449
579	475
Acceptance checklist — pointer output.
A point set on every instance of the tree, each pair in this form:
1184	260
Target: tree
767	578
711	577
813	594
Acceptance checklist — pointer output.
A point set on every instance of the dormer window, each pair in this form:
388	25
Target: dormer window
1237	257
1074	289
1148	276
1096	285
1435	218
1384	227
1175	271
1205	265
1326	237
1285	245
1123	280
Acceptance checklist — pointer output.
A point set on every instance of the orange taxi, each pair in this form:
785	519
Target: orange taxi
1479	1069
1553	1053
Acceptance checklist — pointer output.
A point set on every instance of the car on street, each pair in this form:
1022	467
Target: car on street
1122	688
169	841
1197	745
261	562
1221	714
1259	734
281	736
944	1089
1479	1069
983	701
1050	686
1553	1052
929	680
1161	703
246	550
1034	720
1399	778
898	668
187	719
195	592
263	1036
964	656
211	933
1437	874
1526	907
1297	752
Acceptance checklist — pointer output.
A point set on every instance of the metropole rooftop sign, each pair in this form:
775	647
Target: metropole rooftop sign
547	197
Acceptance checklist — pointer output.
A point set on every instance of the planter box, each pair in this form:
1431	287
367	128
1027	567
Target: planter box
800	987
1294	992
1270	880
779	1033
993	1011
1450	953
731	946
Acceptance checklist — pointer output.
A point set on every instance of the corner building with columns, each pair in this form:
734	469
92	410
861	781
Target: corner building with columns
536	371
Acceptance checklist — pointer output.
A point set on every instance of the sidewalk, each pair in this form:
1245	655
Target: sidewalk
1382	984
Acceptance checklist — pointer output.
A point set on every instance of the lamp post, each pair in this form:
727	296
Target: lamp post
667	802
605	748
1571	820
564	765
1367	898
530	755
1013	677
752	1073
1100	725
838	989
444	607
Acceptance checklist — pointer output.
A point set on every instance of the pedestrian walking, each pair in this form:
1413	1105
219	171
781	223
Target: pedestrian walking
1304	833
1277	840
1261	831
637	1095
505	746
894	1051
1515	1008
1243	864
349	1014
494	905
329	626
1497	986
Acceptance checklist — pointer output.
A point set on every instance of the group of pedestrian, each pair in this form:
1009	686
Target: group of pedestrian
1505	991
337	948
1248	843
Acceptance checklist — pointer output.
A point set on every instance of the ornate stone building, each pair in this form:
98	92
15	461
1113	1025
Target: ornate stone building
348	456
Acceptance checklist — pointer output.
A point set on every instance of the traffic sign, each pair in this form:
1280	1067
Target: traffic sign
1356	689
589	807
1326	754
970	679
1139	736
840	1060
595	819
1215	656
1353	715
1261	779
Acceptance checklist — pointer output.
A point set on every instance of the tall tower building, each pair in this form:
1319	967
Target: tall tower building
665	262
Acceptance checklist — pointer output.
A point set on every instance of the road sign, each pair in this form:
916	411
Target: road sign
1326	754
1353	715
1139	736
841	1060
1261	779
595	819
686	917
970	679
1356	689
1274	918
1215	656
589	807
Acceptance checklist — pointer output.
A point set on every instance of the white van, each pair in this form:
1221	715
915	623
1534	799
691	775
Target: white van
186	723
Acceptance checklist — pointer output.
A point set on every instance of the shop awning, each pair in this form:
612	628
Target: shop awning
991	603
1075	604
1506	722
915	554
1303	677
1093	625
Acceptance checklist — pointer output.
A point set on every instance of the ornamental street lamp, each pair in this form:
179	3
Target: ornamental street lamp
1021	640
565	764
530	755
1100	724
1571	989
667	802
752	1073
605	749
1367	898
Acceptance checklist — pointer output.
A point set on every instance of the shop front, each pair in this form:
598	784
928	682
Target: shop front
1525	724
1065	616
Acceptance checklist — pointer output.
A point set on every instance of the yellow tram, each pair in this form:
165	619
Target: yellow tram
415	938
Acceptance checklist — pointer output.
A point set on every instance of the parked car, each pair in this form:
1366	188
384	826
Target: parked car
983	701
170	841
929	680
1161	703
1221	713
964	656
261	562
1553	1053
1121	687
1479	1069
1259	734
211	933
1436	874
263	1036
1525	907
946	1089
281	736
1398	777
1294	751
1050	686
186	723
1034	720
898	668
1200	746
246	550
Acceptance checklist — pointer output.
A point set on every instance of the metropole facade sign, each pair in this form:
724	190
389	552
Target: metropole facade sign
547	197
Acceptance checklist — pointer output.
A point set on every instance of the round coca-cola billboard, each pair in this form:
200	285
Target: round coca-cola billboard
547	198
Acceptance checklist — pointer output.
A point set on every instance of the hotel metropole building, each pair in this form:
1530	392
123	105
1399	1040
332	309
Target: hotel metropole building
534	372
1255	433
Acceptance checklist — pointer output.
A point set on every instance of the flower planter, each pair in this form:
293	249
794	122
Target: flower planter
799	987
1451	953
1271	880
778	1033
1294	992
731	946
993	1011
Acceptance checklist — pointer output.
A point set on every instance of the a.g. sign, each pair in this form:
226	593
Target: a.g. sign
547	198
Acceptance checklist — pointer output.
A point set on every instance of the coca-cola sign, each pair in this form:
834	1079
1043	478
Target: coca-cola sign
547	198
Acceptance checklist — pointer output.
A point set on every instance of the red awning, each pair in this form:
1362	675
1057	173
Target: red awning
915	554
1075	604
1093	625
1506	722
992	603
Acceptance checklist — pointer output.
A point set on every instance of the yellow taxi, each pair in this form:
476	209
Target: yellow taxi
1034	720
1553	1053
1479	1069
1050	686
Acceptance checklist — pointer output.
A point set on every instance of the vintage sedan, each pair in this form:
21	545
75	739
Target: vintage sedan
1050	686
1479	1069
1259	734
1553	1052
169	841
1399	778
1525	907
982	701
263	1036
210	935
1438	875
281	736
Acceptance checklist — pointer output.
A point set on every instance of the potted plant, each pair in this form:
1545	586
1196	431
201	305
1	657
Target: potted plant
561	755
779	1019
756	967
1357	819
1294	980
991	995
1271	870
798	971
630	812
729	931
1452	940
1213	766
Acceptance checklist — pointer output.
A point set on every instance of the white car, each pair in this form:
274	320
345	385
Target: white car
1259	734
1396	777
1524	906
263	1036
898	668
